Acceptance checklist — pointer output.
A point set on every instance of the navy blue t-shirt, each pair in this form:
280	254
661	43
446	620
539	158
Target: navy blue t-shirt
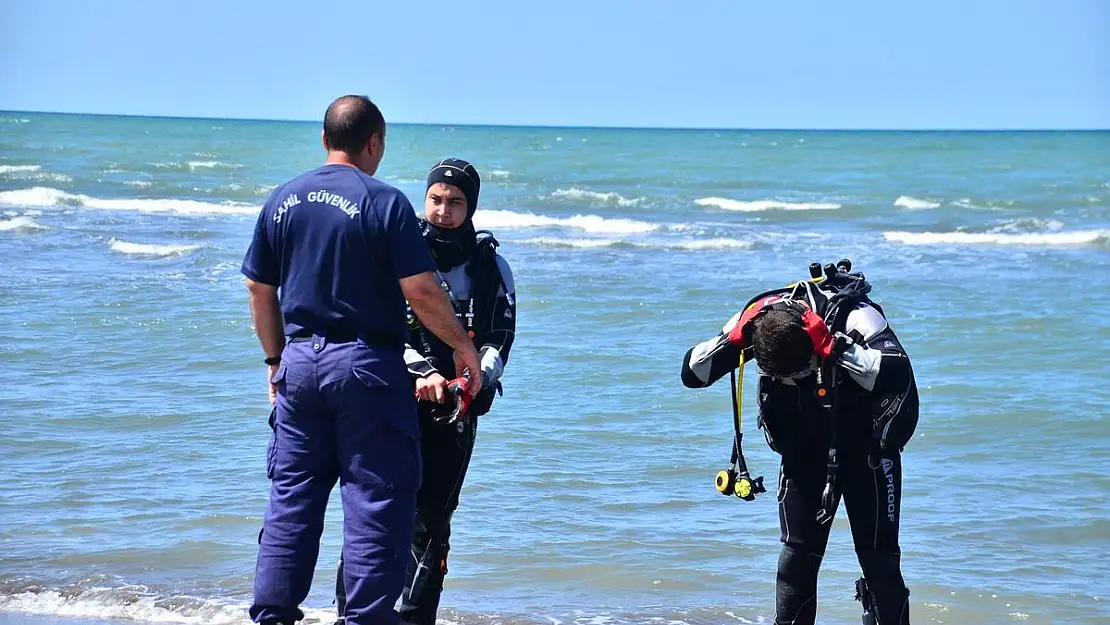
335	241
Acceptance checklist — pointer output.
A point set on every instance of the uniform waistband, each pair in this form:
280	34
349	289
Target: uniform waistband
372	338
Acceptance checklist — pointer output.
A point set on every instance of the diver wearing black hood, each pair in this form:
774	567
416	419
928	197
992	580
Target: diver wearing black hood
451	246
479	282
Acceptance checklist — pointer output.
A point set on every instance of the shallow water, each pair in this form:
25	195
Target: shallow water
135	424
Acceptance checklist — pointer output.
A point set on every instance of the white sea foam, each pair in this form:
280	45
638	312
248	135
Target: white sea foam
136	603
1075	237
19	169
45	197
596	197
762	205
498	174
150	249
590	223
43	176
572	243
912	203
711	244
967	203
194	165
1028	224
991	205
20	223
32	173
689	245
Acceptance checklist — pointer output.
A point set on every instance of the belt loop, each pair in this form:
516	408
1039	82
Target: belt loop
318	341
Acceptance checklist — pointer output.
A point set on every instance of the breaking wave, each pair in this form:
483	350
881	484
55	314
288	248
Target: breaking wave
590	223
45	197
19	169
704	244
149	249
762	205
912	203
596	197
1075	237
132	603
32	172
20	223
195	165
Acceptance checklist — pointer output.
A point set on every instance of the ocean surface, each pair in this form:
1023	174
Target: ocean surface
133	423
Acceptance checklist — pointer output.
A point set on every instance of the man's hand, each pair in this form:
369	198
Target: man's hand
432	388
266	314
466	363
271	370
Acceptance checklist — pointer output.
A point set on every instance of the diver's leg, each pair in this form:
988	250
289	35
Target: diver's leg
446	453
872	488
803	539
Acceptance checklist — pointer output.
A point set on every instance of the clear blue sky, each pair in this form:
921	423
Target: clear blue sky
674	63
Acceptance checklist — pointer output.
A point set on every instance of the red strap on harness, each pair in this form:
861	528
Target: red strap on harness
818	332
741	333
815	327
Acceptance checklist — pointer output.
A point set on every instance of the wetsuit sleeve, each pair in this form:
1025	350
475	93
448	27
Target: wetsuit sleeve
879	363
497	342
261	263
418	366
874	358
710	360
407	249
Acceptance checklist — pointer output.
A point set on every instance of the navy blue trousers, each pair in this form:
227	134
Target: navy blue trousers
345	412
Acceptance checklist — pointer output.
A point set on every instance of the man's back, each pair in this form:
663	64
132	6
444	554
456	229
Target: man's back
336	241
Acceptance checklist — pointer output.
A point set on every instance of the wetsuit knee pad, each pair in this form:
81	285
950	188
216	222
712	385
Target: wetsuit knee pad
884	576
420	598
881	564
798	568
427	578
796	589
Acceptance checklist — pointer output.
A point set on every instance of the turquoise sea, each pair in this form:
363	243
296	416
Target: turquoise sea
133	405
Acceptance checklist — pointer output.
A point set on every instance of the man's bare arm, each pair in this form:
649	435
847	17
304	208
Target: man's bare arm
266	313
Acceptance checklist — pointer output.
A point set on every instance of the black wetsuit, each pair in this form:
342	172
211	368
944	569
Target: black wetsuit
877	412
483	294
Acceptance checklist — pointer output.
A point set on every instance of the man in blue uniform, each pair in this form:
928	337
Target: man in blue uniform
345	251
480	283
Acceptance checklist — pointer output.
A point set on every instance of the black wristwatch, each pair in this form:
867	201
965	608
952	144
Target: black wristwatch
273	360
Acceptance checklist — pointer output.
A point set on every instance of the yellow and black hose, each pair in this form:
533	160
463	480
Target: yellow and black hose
736	480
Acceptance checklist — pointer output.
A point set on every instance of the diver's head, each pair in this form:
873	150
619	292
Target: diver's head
451	196
781	345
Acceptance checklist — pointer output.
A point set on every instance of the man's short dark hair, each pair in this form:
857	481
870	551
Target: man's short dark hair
780	342
350	122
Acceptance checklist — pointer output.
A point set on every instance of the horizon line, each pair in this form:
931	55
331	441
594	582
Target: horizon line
568	127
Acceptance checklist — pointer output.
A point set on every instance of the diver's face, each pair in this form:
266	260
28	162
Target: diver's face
445	205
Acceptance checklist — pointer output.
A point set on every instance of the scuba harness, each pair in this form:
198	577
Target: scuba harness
849	290
475	314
